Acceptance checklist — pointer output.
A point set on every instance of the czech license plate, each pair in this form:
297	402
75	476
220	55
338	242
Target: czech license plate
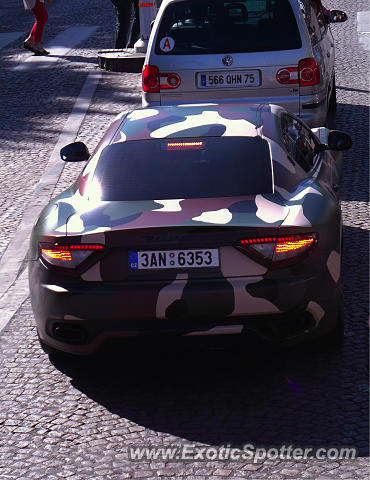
230	79
154	259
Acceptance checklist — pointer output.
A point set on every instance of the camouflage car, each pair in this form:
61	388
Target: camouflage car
193	220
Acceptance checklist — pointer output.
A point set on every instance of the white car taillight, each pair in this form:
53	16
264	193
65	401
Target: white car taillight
287	75
68	256
309	72
153	81
306	74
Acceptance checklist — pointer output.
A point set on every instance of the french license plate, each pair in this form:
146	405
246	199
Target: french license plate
154	259
230	79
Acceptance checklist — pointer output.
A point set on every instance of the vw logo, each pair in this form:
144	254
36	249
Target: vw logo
227	60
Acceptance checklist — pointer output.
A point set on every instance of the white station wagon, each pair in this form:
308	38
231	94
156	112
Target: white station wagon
265	51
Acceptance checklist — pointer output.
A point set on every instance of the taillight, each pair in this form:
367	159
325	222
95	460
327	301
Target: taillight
307	73
287	75
169	80
150	79
68	256
278	251
292	244
153	81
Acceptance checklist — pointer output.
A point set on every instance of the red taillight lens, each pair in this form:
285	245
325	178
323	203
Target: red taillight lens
153	81
309	72
68	256
150	79
253	241
169	80
287	76
278	251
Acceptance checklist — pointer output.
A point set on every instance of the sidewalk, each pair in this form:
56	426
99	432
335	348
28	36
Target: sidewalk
36	102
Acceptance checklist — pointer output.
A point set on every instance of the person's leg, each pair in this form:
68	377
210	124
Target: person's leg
41	15
31	37
123	15
135	24
35	37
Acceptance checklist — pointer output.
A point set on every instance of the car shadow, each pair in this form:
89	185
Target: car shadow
227	393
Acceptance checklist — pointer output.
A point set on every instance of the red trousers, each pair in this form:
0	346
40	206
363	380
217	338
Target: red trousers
41	16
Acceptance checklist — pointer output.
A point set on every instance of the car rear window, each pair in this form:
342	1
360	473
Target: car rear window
197	27
184	168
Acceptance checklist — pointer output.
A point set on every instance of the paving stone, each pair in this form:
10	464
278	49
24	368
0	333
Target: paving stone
222	473
290	472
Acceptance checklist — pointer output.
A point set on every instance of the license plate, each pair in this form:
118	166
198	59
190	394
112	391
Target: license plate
154	259
230	79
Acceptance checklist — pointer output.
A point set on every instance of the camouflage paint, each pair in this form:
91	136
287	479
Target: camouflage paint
239	288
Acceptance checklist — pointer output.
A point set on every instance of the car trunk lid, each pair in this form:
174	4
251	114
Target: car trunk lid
196	225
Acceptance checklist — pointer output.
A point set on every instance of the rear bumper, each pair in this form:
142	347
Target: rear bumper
313	109
81	318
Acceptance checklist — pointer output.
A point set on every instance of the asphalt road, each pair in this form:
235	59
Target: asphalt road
77	420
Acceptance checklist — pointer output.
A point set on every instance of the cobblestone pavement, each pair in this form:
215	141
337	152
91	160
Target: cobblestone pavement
36	102
76	420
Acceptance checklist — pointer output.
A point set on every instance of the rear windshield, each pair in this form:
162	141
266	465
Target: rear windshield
184	168
219	26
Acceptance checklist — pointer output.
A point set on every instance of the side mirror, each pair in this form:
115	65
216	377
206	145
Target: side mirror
75	152
337	16
339	140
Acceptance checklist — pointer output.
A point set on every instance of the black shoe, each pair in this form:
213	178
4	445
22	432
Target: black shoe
29	47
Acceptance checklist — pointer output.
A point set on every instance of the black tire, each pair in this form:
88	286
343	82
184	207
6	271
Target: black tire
332	103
